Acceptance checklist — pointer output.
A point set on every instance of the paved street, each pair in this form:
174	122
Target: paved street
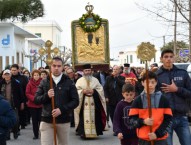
106	139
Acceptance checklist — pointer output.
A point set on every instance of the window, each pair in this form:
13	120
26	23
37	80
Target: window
18	58
7	60
38	34
127	59
13	60
131	58
1	63
22	58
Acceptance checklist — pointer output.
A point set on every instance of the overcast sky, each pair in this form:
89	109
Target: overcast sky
128	25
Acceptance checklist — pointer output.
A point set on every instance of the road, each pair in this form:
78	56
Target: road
107	139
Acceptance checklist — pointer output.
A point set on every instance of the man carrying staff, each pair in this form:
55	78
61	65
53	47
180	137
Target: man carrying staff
65	98
90	115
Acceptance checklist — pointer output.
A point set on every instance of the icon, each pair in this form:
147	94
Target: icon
6	41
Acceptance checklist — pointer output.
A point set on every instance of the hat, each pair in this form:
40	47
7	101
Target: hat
155	64
126	65
87	66
7	71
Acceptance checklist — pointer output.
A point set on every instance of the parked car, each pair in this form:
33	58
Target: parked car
187	67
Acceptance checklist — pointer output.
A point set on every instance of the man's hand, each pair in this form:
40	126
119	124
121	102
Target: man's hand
88	91
56	112
120	136
169	88
148	121
51	93
152	136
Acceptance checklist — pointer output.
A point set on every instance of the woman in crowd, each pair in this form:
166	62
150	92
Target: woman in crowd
35	110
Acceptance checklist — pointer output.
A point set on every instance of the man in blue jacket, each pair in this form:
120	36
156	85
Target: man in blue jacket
7	119
176	86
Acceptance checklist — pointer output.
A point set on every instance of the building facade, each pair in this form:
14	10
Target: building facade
130	56
13	49
46	29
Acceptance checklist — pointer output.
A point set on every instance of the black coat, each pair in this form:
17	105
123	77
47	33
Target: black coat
66	99
113	89
16	90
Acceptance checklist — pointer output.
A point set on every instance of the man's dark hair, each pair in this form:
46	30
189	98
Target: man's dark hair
15	66
128	88
166	51
44	71
151	75
58	59
47	67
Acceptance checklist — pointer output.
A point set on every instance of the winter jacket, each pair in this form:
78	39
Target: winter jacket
23	82
7	116
181	78
113	89
30	92
161	114
65	98
16	90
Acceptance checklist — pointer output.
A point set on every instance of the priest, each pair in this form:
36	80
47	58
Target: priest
90	115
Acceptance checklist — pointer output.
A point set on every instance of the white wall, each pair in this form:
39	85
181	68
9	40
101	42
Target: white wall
136	61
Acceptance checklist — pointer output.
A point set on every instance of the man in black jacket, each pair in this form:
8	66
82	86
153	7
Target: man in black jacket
113	89
7	119
23	112
65	98
11	90
176	86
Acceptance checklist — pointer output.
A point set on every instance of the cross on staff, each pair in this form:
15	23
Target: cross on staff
49	54
146	52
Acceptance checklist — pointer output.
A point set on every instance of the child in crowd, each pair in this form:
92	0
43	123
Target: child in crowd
161	118
121	125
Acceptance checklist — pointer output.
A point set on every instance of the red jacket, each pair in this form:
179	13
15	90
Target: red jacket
30	92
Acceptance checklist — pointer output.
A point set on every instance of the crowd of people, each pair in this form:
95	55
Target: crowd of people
87	99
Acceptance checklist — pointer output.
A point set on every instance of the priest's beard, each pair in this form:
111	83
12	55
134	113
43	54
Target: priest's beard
88	77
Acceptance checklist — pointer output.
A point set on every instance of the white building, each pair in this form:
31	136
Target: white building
46	29
15	45
130	56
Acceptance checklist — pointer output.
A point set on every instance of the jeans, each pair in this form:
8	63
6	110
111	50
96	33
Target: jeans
181	126
156	142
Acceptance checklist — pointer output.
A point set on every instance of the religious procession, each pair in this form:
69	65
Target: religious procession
89	100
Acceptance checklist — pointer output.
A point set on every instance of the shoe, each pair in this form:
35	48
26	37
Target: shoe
15	135
35	137
18	133
114	134
72	125
22	127
8	138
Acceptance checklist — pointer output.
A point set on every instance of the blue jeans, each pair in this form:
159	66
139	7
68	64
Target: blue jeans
181	126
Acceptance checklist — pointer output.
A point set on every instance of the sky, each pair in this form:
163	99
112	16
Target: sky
128	24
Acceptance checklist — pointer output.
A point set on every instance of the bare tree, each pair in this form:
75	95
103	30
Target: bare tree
181	10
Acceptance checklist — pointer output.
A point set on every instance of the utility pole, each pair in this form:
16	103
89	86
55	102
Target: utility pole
175	28
164	43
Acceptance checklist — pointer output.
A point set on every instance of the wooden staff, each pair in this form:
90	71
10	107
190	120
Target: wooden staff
53	106
149	99
47	53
